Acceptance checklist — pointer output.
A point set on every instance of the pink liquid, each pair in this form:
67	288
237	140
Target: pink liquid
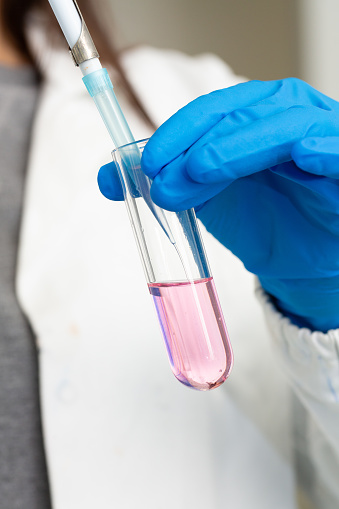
195	333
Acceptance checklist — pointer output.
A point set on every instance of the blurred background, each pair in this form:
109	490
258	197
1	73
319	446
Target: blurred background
260	39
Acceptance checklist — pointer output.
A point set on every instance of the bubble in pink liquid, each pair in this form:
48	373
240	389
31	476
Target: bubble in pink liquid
195	333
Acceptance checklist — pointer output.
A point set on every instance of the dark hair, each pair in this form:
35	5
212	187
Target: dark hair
14	15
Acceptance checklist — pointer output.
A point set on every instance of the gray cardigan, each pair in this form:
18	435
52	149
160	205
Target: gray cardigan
23	476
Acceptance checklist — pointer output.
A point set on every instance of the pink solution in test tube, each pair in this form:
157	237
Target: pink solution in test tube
195	333
178	278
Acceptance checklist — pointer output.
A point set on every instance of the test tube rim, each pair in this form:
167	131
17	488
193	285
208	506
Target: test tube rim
137	142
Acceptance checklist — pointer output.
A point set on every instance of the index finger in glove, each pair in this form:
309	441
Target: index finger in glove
192	121
255	146
200	173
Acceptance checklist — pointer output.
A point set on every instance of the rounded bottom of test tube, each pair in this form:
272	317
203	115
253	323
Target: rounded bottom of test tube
195	333
202	386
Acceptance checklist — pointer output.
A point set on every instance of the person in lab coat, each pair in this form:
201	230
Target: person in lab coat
118	430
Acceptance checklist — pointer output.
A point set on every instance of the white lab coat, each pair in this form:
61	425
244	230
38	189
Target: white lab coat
119	430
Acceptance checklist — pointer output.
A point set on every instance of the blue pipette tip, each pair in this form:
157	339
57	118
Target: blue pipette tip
97	81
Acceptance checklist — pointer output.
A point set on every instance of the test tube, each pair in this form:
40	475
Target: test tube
179	280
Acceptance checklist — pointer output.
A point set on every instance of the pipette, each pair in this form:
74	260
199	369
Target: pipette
100	88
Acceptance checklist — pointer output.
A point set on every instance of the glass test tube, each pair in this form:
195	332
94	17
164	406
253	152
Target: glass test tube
179	279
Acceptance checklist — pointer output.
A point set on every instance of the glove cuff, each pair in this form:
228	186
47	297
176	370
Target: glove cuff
312	303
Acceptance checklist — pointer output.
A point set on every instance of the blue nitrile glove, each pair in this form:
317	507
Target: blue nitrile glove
258	161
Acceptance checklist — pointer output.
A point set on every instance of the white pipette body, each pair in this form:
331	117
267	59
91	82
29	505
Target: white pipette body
68	18
100	87
70	23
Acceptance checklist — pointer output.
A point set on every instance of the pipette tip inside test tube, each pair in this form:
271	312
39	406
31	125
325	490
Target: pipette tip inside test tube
169	243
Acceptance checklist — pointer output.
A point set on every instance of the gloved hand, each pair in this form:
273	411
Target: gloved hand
260	162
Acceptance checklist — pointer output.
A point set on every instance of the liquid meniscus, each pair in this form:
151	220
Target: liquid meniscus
194	330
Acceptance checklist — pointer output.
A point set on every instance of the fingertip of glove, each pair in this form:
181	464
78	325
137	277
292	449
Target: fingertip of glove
164	198
152	158
167	196
147	164
109	183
